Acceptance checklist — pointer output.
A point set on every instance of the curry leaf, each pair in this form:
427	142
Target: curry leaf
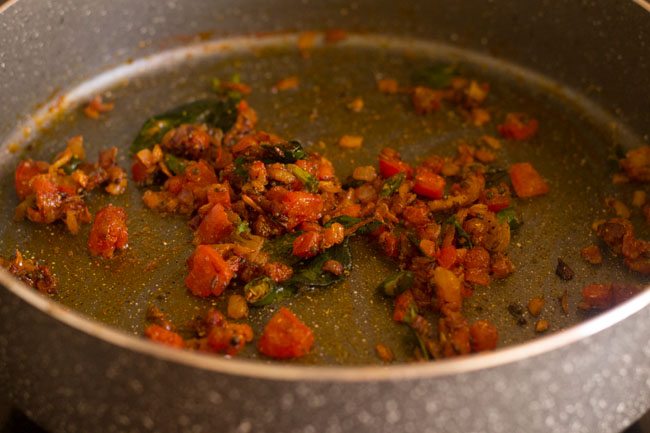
510	216
175	164
460	231
436	76
397	283
216	113
310	272
72	165
307	179
391	185
264	291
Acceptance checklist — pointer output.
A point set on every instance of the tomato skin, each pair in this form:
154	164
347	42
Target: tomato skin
428	184
164	336
517	126
25	171
139	171
285	336
209	272
526	181
483	335
109	232
215	226
447	256
307	244
390	167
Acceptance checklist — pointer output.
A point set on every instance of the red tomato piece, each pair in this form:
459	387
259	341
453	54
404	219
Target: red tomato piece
296	206
483	336
307	244
526	181
496	198
109	232
139	171
219	197
285	336
25	171
390	167
164	336
215	226
447	256
405	307
598	296
209	272
428	184
517	126
230	338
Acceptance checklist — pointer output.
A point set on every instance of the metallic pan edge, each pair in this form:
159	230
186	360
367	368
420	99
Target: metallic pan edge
256	369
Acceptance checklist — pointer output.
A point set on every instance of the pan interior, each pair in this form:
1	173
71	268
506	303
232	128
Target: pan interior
571	150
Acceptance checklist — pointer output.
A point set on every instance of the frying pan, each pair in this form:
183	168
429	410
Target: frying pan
71	373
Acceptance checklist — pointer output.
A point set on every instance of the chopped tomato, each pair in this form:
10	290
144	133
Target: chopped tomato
230	338
307	244
209	272
199	174
390	163
477	266
285	336
390	167
164	336
496	198
221	197
139	171
597	296
428	184
517	126
215	226
109	232
483	336
295	206
416	214
405	308
526	180
25	171
447	256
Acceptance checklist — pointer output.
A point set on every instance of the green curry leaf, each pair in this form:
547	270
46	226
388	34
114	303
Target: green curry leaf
217	113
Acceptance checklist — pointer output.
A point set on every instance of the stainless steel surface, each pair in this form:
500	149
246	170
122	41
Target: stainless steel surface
73	375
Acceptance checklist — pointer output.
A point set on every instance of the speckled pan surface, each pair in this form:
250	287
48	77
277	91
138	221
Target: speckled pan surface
70	380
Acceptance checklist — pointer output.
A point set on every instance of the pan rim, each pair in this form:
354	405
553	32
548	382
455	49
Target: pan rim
255	369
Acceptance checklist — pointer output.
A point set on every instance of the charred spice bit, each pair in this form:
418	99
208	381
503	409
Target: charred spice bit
517	311
563	270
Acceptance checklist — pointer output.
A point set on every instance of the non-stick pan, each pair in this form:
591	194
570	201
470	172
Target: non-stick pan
71	374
